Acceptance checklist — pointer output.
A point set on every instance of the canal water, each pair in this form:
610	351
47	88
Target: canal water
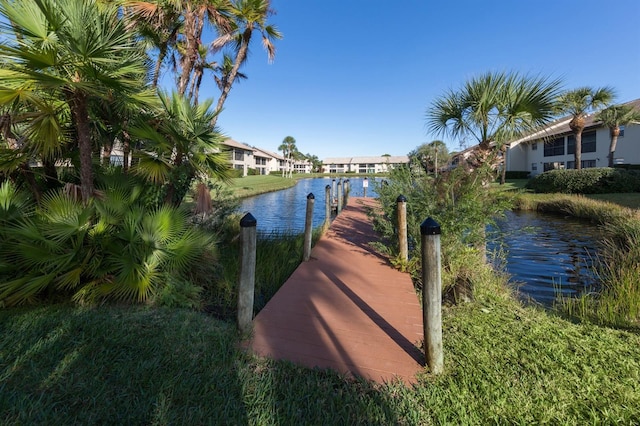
548	255
285	211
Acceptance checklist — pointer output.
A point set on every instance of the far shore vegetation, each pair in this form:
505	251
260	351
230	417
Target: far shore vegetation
119	239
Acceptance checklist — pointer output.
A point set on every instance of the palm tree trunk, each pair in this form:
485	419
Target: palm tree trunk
578	154
240	58
156	70
126	150
614	133
80	112
191	50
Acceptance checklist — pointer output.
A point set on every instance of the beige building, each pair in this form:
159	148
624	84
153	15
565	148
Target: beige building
554	147
380	164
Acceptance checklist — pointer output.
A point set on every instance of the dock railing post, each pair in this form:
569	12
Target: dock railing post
365	185
247	272
432	295
327	206
308	227
403	243
339	196
346	189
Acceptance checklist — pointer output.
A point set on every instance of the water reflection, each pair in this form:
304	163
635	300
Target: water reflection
548	254
284	211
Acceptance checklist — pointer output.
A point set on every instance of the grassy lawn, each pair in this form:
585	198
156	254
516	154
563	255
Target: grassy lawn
254	185
126	365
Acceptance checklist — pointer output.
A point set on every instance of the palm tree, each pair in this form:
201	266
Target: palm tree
494	109
180	146
288	147
249	16
159	22
72	50
579	103
613	117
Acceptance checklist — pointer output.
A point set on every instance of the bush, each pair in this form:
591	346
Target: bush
586	181
235	173
114	248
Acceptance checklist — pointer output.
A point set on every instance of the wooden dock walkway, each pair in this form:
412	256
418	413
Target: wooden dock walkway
346	309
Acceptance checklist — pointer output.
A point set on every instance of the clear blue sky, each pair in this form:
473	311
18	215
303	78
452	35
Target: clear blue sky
355	77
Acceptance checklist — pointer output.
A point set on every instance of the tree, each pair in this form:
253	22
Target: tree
613	117
180	146
430	156
249	16
72	51
579	103
494	109
288	148
158	22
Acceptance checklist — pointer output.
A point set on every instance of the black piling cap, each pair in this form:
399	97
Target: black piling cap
248	221
429	227
327	187
401	199
311	196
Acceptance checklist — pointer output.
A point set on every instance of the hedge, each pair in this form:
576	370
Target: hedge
586	181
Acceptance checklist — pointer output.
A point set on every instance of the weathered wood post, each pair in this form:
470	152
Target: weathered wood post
339	196
346	189
333	189
247	272
403	243
308	227
327	205
432	295
365	185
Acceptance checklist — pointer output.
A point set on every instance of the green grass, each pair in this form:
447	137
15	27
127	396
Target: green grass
254	185
122	365
631	200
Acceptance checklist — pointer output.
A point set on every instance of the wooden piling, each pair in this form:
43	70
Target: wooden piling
432	295
308	227
327	205
248	237
403	242
339	196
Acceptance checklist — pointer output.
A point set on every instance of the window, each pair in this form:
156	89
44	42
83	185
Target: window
534	167
588	143
553	165
554	147
238	155
588	163
534	146
621	131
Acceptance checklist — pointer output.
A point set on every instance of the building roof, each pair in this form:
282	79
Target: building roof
392	159
561	126
235	144
264	153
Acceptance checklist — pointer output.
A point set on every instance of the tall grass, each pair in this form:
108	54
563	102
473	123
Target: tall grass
618	301
278	254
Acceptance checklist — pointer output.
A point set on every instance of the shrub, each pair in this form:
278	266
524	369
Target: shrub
586	181
112	248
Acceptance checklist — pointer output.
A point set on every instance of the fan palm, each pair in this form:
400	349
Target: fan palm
613	117
73	51
494	109
181	146
288	148
113	247
579	103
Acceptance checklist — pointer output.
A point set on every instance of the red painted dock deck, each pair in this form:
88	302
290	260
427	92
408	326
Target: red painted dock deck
346	309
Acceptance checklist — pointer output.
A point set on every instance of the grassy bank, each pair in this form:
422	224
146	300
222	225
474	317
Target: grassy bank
255	185
123	365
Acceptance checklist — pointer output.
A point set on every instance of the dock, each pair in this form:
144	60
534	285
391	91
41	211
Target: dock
346	309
